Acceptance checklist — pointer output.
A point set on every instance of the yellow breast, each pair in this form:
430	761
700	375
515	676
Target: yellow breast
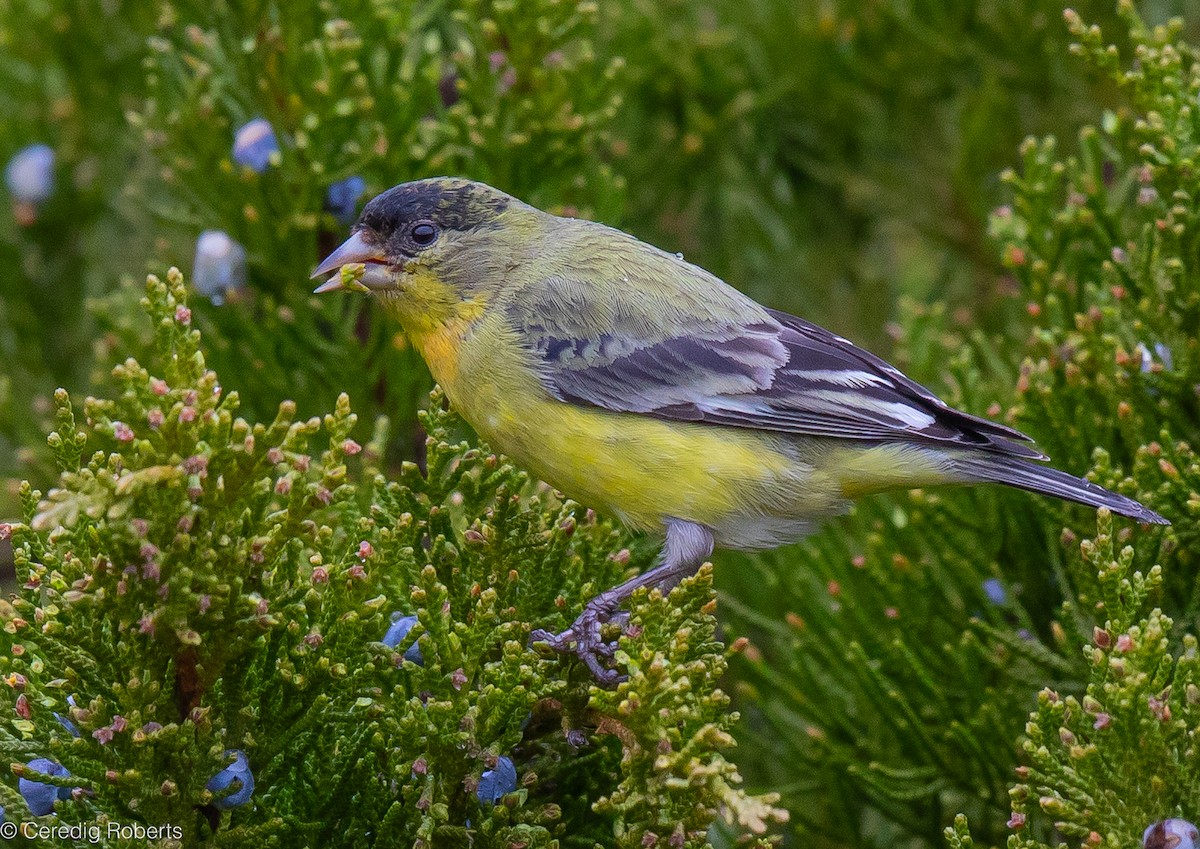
640	469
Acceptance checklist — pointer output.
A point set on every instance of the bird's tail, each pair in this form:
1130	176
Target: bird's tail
1047	481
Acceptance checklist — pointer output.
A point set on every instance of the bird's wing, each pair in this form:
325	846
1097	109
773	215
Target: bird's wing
643	351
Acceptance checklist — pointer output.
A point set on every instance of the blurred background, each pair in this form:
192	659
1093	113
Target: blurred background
836	159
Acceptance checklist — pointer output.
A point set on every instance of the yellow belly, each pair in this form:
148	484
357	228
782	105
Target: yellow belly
640	469
752	488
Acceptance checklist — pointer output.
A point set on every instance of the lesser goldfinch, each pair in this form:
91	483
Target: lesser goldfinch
642	385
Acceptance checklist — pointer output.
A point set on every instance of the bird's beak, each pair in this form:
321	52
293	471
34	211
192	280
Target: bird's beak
369	270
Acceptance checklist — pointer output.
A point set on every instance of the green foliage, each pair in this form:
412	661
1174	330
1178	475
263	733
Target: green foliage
1105	244
909	723
511	93
142	110
203	584
830	158
1105	766
1120	256
67	72
815	155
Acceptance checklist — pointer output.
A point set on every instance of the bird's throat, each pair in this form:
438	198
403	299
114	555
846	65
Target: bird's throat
440	347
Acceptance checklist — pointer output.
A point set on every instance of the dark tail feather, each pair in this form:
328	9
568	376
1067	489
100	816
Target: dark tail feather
1048	481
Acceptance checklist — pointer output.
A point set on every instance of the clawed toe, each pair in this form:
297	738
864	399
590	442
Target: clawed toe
604	675
585	640
559	642
688	543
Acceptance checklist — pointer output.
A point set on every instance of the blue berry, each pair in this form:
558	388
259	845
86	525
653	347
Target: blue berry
219	268
342	198
1171	834
395	635
253	145
494	784
239	770
30	174
65	722
995	591
38	796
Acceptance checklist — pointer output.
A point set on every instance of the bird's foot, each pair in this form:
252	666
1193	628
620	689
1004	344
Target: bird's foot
585	639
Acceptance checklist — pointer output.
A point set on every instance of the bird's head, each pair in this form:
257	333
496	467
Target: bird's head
432	248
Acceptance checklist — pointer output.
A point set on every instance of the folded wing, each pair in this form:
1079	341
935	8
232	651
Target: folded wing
765	369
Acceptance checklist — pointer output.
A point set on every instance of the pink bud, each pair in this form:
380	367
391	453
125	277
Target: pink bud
365	550
351	447
1160	709
155	418
122	432
159	386
320	575
196	465
183	315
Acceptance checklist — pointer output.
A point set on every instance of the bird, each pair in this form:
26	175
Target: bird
647	388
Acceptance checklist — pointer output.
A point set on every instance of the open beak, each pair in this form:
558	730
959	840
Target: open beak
354	251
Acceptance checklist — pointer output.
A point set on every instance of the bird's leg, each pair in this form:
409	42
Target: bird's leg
688	545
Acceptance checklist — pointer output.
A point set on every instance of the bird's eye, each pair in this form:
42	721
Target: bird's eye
424	233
